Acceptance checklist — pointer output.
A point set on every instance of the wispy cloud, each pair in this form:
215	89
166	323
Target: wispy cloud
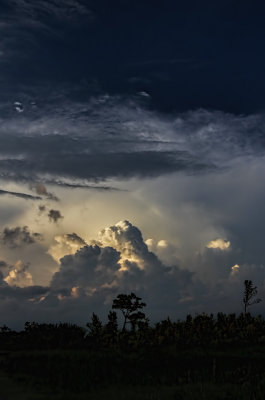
60	9
111	137
20	195
20	20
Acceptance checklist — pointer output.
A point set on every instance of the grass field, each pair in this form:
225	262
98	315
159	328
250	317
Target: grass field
191	375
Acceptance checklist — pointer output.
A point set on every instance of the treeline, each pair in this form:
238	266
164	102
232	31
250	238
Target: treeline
202	356
136	332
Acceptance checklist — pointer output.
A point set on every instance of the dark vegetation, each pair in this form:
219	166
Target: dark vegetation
201	357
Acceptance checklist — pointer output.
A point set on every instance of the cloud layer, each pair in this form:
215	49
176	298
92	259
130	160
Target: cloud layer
90	276
111	137
112	134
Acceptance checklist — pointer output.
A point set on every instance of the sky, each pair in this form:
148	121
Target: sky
132	151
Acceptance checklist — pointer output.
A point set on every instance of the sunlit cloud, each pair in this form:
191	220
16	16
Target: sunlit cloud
218	244
19	275
65	244
235	269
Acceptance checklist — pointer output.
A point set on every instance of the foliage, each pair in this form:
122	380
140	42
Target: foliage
197	357
129	306
250	293
95	328
199	331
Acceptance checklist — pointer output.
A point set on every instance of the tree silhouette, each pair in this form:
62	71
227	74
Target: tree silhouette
95	329
129	304
111	328
250	293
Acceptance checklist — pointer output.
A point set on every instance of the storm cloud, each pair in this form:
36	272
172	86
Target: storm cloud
118	140
126	265
170	138
55	215
19	236
119	261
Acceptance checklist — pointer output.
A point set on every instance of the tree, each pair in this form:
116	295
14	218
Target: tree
129	304
95	329
112	324
111	328
250	292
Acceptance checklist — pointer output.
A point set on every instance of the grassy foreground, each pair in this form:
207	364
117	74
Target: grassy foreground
162	375
202	357
19	391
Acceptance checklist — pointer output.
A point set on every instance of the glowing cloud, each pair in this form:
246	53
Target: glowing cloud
218	244
162	243
19	275
127	240
235	269
65	244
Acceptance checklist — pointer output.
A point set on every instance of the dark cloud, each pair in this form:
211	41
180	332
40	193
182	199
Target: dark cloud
55	9
30	21
22	293
90	267
54	215
108	138
3	264
42	208
41	189
102	166
83	186
64	41
20	195
19	236
73	237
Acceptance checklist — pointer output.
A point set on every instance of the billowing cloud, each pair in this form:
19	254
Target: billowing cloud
218	244
19	275
19	236
55	215
119	261
66	244
90	268
124	237
128	240
166	251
